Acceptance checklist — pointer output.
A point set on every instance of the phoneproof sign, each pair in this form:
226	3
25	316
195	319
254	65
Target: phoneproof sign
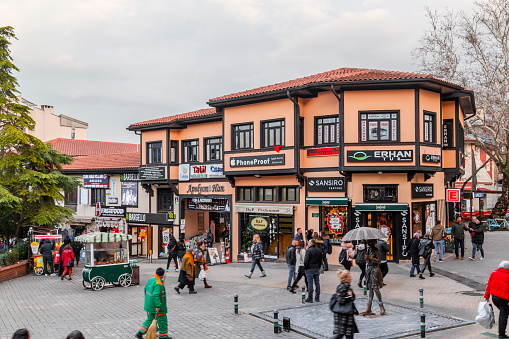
258	160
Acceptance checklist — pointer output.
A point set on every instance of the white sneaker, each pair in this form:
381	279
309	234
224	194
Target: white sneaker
471	258
482	258
46	275
53	274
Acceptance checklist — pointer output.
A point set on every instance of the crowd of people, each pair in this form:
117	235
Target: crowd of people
62	256
23	333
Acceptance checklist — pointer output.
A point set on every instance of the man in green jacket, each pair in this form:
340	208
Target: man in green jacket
458	234
155	306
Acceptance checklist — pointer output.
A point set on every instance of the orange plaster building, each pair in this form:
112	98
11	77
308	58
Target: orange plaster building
328	152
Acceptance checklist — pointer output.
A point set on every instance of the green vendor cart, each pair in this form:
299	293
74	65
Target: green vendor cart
106	260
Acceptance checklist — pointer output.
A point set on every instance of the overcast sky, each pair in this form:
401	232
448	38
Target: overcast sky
111	63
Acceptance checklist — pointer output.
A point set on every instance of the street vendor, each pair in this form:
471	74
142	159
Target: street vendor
200	260
155	305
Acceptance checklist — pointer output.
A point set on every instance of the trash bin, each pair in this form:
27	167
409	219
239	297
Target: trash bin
136	275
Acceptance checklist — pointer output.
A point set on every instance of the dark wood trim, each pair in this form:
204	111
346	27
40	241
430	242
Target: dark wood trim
315	129
168	154
342	130
262	130
417	128
380	142
183	161
232	135
257	150
205	161
320	169
249	173
435	136
441	135
148	153
456	134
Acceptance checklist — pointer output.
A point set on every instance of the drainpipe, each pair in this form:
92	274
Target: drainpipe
340	144
296	138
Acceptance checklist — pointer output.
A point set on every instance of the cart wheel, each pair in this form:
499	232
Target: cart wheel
125	280
38	271
97	283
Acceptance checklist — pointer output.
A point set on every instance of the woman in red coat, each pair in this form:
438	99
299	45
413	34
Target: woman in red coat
498	288
67	260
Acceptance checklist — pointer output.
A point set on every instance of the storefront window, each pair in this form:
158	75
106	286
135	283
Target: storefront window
266	194
334	220
384	222
423	217
276	232
379	126
245	194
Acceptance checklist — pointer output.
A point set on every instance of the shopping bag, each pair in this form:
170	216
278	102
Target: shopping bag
485	316
152	330
202	274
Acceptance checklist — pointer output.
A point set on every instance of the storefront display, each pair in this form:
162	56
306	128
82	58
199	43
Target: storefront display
423	217
334	220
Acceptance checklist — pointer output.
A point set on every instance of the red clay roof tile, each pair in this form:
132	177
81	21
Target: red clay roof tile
74	147
105	161
177	117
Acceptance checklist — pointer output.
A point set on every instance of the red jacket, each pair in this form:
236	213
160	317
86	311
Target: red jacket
498	285
66	256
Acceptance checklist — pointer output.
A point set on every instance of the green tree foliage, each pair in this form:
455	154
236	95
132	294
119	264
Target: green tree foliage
31	183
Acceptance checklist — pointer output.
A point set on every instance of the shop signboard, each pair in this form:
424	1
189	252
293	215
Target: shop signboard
112	200
111	211
207	204
129	191
205	189
453	195
422	190
244	208
152	173
329	184
323	151
184	172
96	180
258	160
215	171
380	156
130	177
431	158
405	234
335	222
148	218
198	171
448	133
259	223
315	215
394	207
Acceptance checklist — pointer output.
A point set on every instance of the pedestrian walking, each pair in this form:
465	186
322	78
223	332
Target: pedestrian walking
67	261
384	248
22	333
181	250
200	262
498	289
458	235
257	255
360	260
300	255
425	250
309	235
374	278
438	235
75	335
291	259
172	253
155	305
344	322
346	255
210	238
327	249
46	249
76	248
186	276
413	251
60	251
298	236
312	263
477	233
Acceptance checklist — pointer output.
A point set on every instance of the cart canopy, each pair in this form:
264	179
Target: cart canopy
48	236
103	237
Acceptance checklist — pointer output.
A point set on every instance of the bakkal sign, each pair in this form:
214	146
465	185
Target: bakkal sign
111	211
153	173
96	180
258	160
322	152
380	156
326	184
422	190
430	158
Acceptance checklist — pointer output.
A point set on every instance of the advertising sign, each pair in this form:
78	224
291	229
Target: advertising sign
112	211
453	195
323	151
130	177
448	133
153	173
380	156
112	200
96	180
335	223
148	218
258	160
198	171
129	193
326	184
215	171
430	158
184	172
422	190
259	223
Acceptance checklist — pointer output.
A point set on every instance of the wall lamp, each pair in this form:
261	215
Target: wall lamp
257	176
379	172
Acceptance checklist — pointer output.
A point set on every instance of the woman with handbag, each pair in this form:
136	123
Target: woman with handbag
67	261
257	252
186	276
343	307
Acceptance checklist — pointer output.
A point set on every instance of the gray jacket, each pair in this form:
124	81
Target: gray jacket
384	248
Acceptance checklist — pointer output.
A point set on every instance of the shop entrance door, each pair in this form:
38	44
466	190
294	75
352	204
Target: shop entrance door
384	221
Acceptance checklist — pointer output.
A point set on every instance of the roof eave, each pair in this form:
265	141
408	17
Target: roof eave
177	124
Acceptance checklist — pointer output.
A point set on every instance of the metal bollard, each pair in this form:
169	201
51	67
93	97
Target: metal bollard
236	303
421	297
365	290
423	325
276	322
303	294
150	255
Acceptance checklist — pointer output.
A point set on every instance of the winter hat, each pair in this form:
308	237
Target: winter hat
160	271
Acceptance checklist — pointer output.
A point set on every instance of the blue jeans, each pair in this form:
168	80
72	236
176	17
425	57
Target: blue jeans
479	247
291	275
256	262
413	269
313	275
459	244
439	247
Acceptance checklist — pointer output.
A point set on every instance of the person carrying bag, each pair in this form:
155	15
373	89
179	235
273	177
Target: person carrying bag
343	306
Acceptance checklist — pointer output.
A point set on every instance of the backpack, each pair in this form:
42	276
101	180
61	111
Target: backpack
343	256
329	248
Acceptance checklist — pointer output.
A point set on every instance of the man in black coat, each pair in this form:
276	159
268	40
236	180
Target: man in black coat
291	258
172	253
384	248
46	250
477	232
312	263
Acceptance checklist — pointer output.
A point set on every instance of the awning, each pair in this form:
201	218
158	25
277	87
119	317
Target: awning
327	201
103	237
381	207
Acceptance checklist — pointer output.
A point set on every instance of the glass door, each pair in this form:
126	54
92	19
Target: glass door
384	222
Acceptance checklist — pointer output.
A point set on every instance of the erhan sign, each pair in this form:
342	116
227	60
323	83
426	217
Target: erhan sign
380	156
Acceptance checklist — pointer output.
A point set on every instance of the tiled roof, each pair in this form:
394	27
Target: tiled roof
74	147
336	76
177	117
105	161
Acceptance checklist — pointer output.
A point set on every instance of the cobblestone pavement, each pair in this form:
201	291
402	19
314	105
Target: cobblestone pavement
52	308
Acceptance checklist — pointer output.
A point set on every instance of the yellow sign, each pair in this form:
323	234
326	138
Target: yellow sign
259	223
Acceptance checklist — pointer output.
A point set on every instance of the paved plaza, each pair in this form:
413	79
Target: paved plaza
51	308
